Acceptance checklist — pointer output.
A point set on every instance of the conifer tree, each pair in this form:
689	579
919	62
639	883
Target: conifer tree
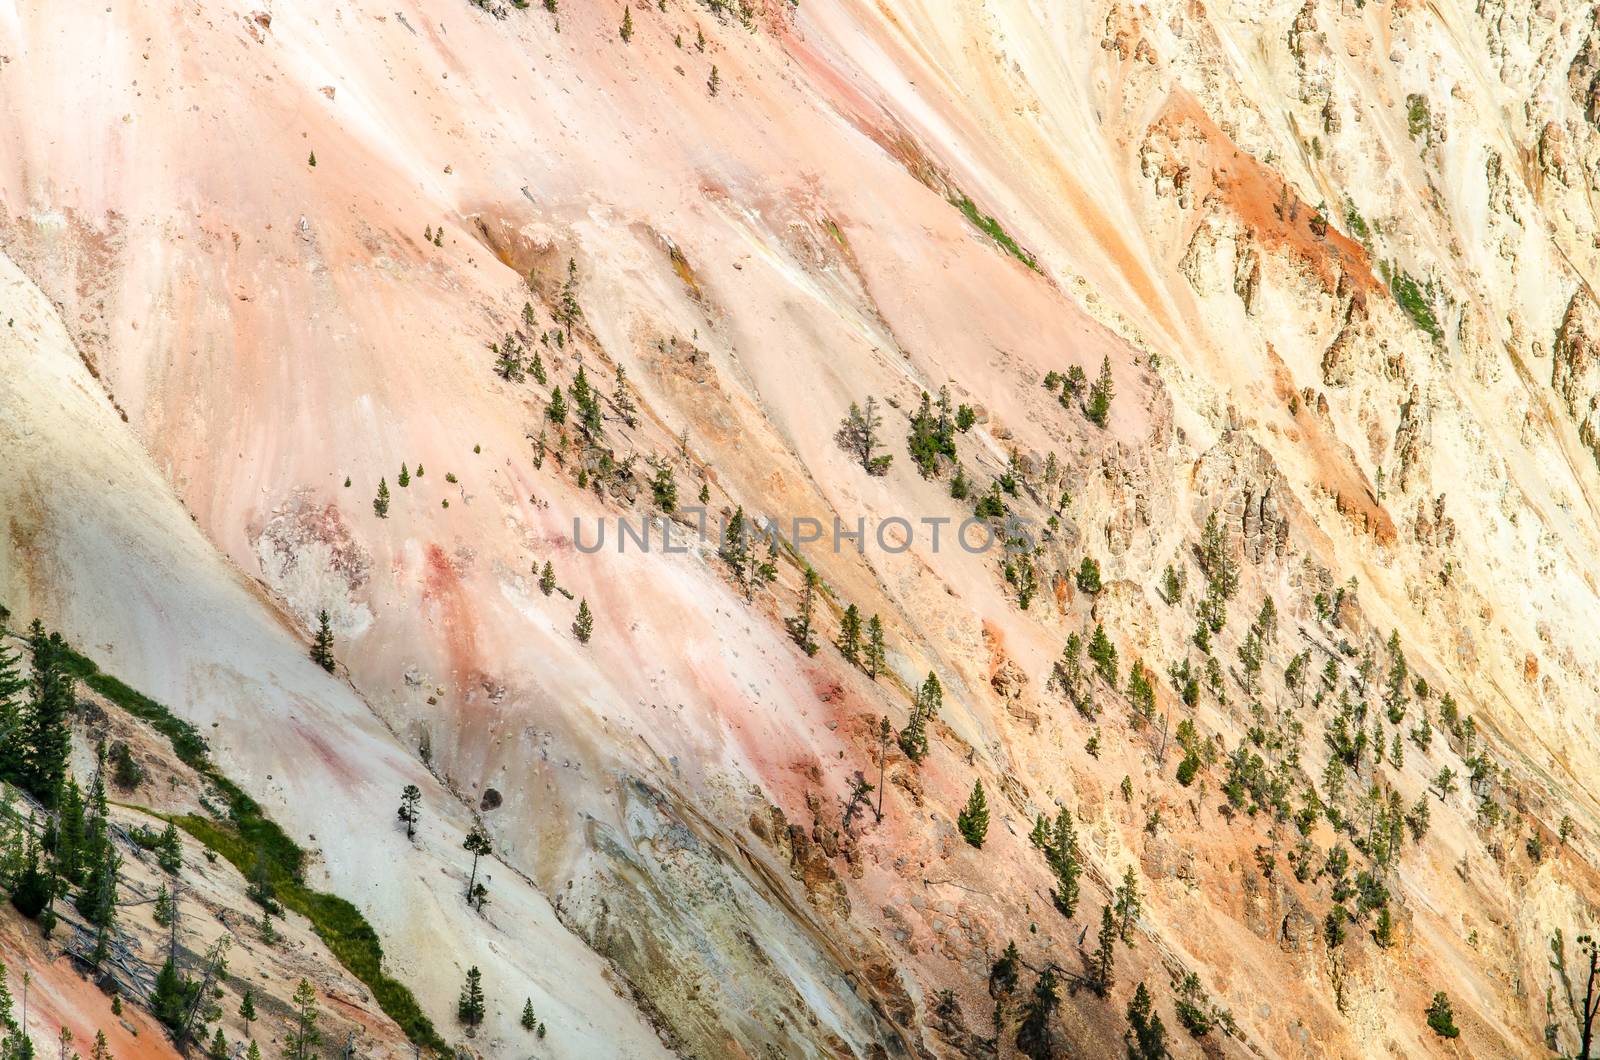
304	1038
1441	1018
380	503
8	1022
583	625
102	1048
322	644
477	844
875	652
529	1020
547	579
1146	1037
914	737
247	1009
931	697
12	686
405	476
169	851
665	489
1128	905
1102	964
800	625
556	411
626	32
714	82
570	311
255	1051
410	808
885	734
973	821
173	993
219	1046
32	888
71	838
470	1005
1100	395
849	642
46	736
1062	855
735	548
1104	655
622	401
858	435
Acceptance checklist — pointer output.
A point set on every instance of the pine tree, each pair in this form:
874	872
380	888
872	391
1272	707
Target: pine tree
1146	1037
173	993
664	487
570	311
380	503
849	642
875	650
255	1051
97	900
8	1022
102	1048
1104	655
303	1040
885	734
470	1006
858	435
1128	905
410	808
32	888
1100	395
626	32
247	1009
46	734
736	546
219	1046
322	644
556	411
529	1021
547	579
1104	959
169	851
714	82
914	737
622	401
12	685
800	625
405	476
583	625
71	835
1441	1018
477	844
1064	862
312	160
973	821
931	697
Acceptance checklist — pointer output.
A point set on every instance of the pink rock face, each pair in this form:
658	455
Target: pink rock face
258	262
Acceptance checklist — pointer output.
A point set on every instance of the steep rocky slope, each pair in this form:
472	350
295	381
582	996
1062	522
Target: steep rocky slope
1335	256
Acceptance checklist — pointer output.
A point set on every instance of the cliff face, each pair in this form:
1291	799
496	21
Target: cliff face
1336	258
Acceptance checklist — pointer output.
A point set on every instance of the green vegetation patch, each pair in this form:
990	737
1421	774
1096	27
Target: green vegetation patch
991	228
